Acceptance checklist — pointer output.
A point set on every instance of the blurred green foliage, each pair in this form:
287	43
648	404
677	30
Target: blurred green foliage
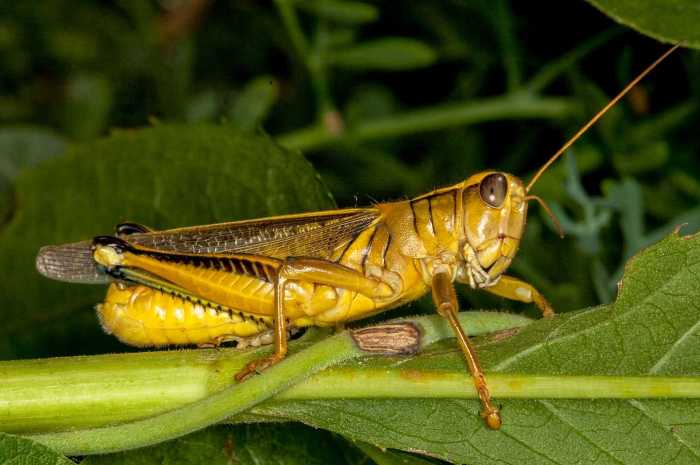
387	100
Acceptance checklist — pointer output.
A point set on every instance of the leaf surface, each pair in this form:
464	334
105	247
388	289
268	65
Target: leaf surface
667	21
390	53
265	444
15	450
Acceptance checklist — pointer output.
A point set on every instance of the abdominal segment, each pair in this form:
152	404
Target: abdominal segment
144	317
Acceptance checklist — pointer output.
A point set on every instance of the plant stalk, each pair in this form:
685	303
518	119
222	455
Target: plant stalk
178	389
506	107
66	403
393	383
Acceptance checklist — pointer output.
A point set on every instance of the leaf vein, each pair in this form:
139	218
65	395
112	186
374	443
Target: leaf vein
639	406
664	358
526	446
553	410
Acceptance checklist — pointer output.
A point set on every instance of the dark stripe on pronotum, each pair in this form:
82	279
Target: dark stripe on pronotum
368	248
386	249
430	215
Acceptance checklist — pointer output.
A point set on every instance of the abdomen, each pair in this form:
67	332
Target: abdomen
145	317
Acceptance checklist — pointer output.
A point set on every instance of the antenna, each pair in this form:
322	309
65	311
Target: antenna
598	115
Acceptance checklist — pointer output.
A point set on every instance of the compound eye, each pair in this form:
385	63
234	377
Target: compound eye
493	189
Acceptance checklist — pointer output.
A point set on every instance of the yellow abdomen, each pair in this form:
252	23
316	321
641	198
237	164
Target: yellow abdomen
145	317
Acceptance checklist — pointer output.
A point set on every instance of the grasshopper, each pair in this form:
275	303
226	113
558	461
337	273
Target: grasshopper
253	281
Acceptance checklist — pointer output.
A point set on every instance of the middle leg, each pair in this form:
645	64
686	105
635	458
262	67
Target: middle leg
317	271
280	334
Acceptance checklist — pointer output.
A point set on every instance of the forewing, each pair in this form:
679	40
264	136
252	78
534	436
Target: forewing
309	234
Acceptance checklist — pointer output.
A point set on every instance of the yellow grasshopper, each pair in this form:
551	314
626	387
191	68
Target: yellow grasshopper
254	281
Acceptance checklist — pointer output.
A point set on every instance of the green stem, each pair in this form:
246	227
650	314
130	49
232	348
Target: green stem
433	118
192	380
319	71
211	409
311	55
505	29
291	23
391	383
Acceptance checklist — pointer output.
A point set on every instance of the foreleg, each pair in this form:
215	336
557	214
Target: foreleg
446	303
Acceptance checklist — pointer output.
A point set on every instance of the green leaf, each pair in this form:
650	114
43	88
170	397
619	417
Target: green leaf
252	105
264	444
666	21
290	444
391	53
212	446
652	329
341	11
17	450
388	457
166	176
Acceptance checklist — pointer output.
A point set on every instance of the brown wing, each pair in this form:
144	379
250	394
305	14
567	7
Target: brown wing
308	234
314	234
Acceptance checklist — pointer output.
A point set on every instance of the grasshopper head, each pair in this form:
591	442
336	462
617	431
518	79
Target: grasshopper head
495	206
495	209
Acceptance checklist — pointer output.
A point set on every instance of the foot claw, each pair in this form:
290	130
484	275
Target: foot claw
492	418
